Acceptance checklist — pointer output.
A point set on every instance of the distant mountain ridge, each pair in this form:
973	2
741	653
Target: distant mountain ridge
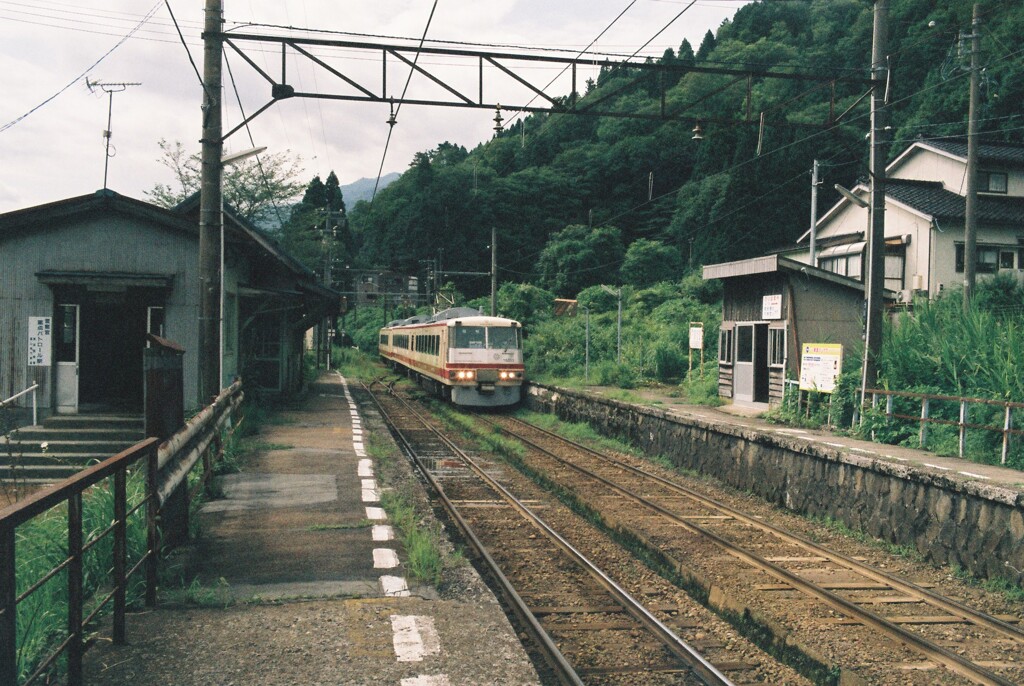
363	188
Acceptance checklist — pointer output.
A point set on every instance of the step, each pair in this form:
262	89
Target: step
61	443
95	421
38	473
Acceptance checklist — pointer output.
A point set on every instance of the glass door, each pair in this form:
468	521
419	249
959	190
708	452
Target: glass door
66	353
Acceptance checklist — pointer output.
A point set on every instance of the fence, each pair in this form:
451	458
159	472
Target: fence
963	423
166	469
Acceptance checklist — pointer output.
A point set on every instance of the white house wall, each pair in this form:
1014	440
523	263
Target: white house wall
925	165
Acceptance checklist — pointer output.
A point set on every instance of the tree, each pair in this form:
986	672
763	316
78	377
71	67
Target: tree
648	262
579	256
257	188
706	46
317	231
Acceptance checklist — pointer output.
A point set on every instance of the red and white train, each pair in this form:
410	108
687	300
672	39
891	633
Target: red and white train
460	355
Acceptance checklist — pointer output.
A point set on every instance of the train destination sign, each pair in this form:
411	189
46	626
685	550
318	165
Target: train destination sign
820	364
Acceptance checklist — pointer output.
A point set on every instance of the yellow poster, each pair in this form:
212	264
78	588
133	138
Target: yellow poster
820	364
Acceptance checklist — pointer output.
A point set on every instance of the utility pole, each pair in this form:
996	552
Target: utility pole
815	182
211	207
494	271
876	230
971	207
109	89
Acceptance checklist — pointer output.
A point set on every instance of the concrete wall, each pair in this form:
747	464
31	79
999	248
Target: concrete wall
965	523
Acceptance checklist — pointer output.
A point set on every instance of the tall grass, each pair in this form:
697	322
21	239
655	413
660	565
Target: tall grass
41	545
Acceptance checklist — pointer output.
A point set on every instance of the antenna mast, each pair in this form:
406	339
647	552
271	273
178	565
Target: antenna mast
109	89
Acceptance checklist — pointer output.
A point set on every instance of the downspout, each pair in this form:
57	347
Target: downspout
933	287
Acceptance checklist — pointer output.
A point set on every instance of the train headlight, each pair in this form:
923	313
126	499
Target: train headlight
465	375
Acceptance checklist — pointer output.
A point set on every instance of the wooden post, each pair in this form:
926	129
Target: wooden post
152	536
8	608
963	427
120	554
923	433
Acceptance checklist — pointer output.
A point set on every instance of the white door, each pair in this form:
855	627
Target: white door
743	364
66	351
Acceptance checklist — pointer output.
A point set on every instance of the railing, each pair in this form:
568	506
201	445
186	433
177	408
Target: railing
166	468
31	389
962	423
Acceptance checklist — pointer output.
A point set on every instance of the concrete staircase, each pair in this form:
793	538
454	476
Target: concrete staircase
66	444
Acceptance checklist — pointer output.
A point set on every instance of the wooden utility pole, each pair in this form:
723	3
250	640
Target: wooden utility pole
211	206
875	280
971	207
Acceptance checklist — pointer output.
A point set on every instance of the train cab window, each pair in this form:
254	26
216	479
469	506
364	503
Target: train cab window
470	337
503	338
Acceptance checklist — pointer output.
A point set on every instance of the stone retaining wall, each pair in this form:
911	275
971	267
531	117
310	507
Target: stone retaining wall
948	520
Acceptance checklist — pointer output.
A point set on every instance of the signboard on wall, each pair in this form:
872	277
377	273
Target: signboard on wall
39	341
771	306
820	364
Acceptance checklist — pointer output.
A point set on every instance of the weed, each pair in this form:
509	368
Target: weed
361	524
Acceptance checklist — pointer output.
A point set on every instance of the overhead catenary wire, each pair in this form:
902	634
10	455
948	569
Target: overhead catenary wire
394	115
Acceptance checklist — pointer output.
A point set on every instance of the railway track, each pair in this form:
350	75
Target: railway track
822	600
589	628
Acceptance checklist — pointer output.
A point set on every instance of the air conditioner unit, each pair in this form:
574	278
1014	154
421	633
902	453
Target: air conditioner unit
905	296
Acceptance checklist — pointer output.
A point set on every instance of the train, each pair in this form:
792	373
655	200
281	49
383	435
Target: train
460	355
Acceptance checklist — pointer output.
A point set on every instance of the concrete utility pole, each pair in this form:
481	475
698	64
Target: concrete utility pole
494	271
210	207
971	208
875	280
815	182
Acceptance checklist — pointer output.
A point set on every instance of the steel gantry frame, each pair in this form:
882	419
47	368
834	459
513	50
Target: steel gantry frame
509	64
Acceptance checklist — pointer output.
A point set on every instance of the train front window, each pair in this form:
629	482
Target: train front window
470	337
502	338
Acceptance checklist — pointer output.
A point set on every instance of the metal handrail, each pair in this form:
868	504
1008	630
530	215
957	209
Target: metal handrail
166	467
31	389
962	423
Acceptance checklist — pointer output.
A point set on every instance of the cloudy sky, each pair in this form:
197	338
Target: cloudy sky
54	148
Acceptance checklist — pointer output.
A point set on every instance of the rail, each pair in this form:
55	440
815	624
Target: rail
165	470
31	389
963	422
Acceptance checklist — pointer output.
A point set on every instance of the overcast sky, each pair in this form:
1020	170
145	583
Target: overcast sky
56	150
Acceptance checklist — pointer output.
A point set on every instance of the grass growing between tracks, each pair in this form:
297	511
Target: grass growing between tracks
750	627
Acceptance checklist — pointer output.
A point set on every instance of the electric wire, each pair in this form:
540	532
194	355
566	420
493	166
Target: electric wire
394	117
78	78
187	51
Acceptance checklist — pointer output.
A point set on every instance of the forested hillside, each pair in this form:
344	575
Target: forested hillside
569	196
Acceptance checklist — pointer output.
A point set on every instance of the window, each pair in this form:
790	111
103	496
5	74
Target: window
988	261
745	343
776	347
502	338
725	345
470	337
991	182
1006	259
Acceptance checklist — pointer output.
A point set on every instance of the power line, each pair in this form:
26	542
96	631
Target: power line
90	68
394	114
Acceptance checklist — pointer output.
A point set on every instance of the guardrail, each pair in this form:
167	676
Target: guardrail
166	467
31	389
962	424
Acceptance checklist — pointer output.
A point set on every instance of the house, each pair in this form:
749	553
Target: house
925	204
83	280
771	307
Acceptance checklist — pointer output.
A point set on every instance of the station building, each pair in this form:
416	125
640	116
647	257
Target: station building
83	280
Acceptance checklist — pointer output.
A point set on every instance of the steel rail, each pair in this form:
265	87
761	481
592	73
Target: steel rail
951	660
554	657
697	663
949	605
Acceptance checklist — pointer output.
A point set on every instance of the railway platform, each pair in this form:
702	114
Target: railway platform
297	576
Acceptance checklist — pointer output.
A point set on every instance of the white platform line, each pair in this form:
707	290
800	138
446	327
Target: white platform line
426	680
382	532
415	637
935	466
394	586
370	495
976	476
384	558
377	514
365	468
369	484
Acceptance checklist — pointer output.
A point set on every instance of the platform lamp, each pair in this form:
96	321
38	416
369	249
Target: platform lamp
231	158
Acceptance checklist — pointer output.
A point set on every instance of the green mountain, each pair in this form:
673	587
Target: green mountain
574	196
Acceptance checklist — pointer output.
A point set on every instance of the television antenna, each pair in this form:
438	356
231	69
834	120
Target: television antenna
109	88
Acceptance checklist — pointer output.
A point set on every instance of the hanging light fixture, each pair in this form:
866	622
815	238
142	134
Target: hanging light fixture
392	119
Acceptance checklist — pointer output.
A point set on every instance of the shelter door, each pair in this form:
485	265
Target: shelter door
66	353
743	365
